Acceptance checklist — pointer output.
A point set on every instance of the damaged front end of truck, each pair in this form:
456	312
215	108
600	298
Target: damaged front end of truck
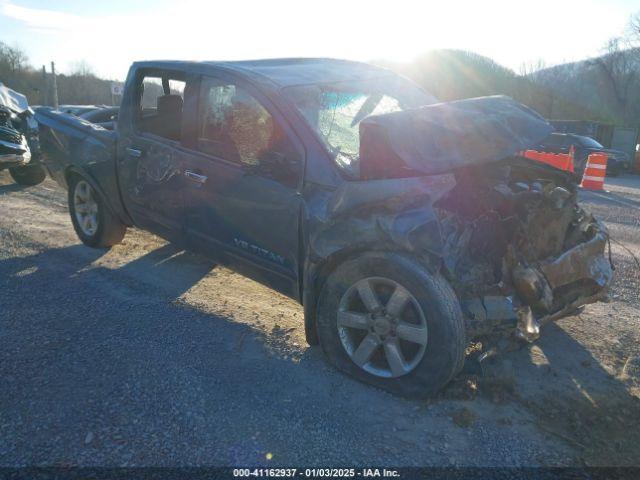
445	184
518	249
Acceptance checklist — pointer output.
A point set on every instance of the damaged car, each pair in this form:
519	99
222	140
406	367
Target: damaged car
19	143
407	228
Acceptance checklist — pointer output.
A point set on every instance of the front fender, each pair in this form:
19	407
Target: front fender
395	215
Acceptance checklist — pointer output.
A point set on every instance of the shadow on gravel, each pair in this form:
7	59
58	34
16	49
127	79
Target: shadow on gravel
117	375
168	268
10	188
574	398
69	260
568	394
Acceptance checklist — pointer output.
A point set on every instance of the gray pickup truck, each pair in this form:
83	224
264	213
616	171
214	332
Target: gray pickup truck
405	227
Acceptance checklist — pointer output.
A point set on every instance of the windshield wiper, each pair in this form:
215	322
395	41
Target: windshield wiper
367	107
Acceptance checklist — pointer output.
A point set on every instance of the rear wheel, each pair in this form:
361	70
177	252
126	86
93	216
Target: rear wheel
388	322
92	220
28	175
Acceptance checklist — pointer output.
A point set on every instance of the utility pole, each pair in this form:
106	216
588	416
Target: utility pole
54	84
45	87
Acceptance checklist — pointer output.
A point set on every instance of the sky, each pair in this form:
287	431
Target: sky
109	36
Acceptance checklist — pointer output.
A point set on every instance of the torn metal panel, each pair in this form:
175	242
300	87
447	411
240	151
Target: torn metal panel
389	194
533	287
585	261
386	214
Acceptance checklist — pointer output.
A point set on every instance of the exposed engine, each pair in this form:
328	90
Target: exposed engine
520	251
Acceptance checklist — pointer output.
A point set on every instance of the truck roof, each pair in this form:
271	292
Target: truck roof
286	72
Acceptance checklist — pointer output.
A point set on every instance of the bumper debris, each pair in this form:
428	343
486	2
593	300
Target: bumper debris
521	252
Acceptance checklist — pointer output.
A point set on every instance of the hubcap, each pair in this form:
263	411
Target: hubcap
86	208
382	327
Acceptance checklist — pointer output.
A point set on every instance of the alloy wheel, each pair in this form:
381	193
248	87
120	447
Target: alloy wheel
382	327
86	208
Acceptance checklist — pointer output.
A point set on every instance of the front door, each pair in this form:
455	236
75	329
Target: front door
243	206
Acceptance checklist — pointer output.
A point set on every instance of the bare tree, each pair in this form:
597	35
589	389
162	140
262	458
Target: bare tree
82	68
14	58
619	71
528	68
633	30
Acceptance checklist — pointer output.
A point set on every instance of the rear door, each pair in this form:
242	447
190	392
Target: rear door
245	170
150	154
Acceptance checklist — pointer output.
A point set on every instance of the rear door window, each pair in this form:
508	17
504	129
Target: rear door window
160	106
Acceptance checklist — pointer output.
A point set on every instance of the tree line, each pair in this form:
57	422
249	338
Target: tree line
81	86
605	88
608	84
457	74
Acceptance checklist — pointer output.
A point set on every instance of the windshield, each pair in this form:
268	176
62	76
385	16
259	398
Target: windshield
335	110
589	142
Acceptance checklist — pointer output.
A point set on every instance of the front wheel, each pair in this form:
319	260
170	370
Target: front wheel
92	220
28	175
387	321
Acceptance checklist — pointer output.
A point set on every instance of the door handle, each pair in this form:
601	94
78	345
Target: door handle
195	177
134	152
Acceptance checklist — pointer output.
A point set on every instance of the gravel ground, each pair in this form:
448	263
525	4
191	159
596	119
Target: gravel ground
146	355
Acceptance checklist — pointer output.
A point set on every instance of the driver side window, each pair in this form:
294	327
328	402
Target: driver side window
233	125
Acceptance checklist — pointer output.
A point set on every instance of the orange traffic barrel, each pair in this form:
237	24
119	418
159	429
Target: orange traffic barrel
595	172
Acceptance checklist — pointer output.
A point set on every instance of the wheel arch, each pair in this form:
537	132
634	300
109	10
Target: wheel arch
74	170
317	273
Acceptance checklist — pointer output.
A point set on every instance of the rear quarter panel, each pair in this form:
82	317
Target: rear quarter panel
70	144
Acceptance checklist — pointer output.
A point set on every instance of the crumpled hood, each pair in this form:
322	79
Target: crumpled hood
438	138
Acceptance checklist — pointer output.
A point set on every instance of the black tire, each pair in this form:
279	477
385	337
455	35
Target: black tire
109	232
29	175
445	351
